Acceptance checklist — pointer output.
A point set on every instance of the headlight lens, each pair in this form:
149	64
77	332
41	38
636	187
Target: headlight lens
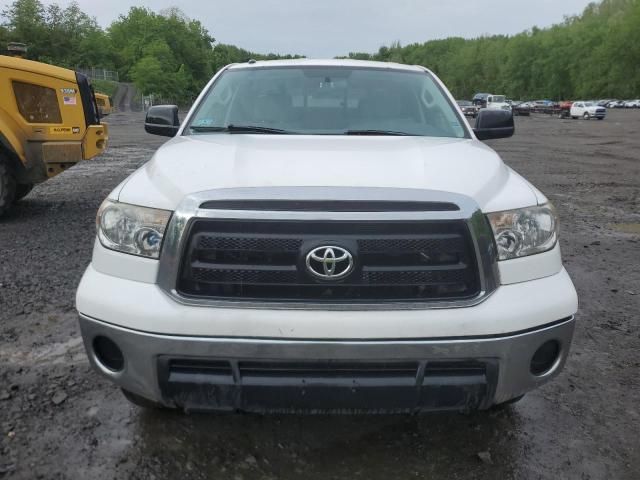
525	231
132	229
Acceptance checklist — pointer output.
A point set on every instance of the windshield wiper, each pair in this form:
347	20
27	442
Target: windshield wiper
376	132
240	129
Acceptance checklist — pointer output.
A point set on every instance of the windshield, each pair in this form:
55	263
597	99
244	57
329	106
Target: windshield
464	103
588	104
498	99
327	101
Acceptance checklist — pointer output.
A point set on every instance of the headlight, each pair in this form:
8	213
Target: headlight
131	229
525	231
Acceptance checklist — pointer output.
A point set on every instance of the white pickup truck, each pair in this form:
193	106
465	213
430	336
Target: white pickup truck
326	236
587	110
497	102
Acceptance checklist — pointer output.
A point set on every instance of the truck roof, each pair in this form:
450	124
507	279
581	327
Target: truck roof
308	62
37	67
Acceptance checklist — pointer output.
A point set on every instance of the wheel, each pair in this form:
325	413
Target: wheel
586	116
503	405
22	190
142	402
7	186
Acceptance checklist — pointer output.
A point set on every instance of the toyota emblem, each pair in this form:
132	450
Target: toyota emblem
329	262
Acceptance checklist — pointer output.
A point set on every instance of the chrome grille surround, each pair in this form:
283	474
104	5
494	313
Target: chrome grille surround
190	209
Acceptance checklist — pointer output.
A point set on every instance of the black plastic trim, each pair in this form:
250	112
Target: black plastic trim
330	206
87	96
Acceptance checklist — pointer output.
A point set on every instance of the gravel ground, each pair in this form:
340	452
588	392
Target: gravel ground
59	420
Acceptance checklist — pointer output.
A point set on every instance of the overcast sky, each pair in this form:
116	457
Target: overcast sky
326	28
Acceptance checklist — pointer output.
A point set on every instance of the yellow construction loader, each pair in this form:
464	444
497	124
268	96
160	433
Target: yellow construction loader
49	121
104	104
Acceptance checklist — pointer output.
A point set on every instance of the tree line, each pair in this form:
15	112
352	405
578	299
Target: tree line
165	54
592	55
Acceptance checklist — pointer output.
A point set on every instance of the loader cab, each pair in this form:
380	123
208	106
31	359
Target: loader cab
49	121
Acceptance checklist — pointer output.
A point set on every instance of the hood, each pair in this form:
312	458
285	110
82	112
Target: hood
196	163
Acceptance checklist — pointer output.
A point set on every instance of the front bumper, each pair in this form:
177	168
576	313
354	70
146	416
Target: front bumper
248	374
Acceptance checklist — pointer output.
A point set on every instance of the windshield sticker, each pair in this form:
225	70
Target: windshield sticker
204	122
69	99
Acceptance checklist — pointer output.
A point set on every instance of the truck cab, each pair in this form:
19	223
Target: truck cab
49	121
497	102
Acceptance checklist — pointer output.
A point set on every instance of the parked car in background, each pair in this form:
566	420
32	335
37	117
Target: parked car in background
468	108
615	104
544	106
521	108
480	99
587	110
564	109
632	104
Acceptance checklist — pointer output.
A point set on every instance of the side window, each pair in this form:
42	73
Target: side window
37	104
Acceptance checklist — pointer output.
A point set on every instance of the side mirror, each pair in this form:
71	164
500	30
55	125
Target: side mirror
492	124
162	120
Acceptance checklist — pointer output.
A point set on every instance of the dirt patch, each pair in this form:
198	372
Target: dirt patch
633	228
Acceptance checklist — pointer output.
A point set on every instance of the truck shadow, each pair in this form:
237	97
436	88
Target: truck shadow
372	447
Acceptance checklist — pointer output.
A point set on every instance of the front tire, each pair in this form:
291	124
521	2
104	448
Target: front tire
7	186
586	116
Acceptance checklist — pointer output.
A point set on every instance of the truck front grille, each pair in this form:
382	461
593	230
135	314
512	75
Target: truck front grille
265	261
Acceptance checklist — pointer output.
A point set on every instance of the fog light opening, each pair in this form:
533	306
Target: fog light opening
545	358
108	354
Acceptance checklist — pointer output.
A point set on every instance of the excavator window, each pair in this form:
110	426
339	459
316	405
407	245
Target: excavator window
37	104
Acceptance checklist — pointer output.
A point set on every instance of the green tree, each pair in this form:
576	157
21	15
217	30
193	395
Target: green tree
25	22
150	77
594	54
